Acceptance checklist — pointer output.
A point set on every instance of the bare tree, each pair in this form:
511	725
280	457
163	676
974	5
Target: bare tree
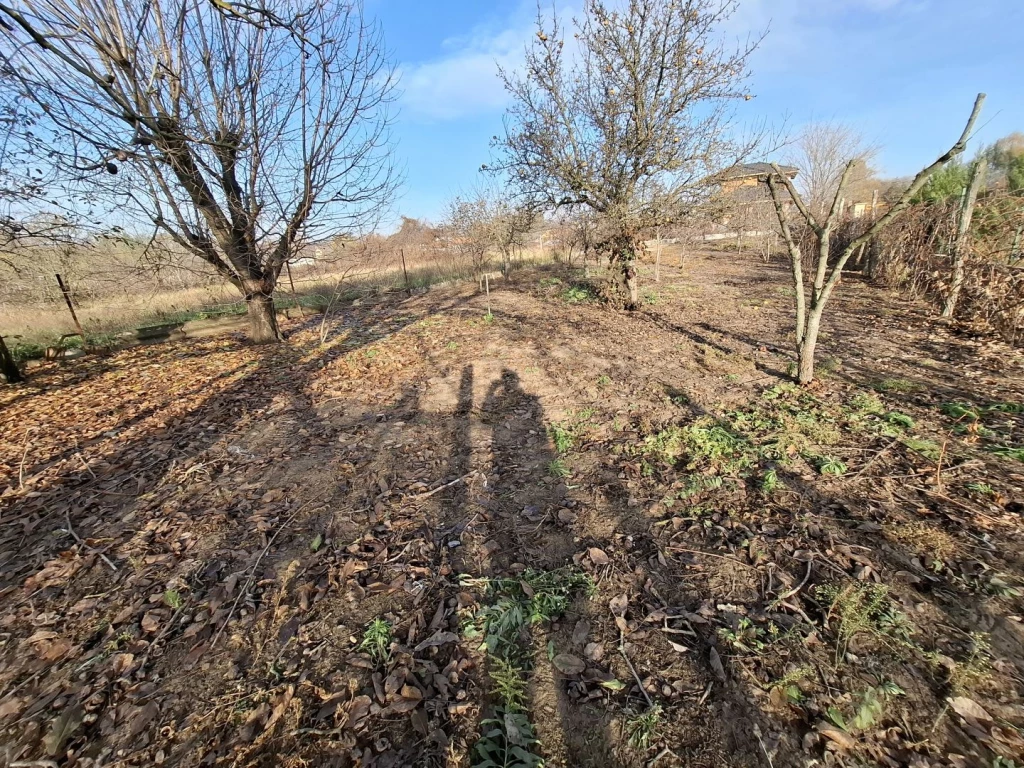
632	125
242	134
822	152
809	314
467	233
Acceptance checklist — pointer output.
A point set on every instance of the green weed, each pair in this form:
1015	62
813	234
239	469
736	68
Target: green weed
603	380
867	403
506	742
642	728
578	294
770	482
509	684
829	465
982	489
869	710
899	419
927	448
173	599
377	641
1016	454
561	436
746	638
864	608
558	468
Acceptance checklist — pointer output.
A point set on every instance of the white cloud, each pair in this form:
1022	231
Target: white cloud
465	81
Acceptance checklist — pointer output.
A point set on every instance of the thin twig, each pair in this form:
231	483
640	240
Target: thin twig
800	586
86	465
664	753
428	494
728	559
81	542
875	458
24	453
255	565
632	669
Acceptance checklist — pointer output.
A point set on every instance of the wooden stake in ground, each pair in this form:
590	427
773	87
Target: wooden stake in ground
71	307
657	260
963	228
295	295
408	288
487	284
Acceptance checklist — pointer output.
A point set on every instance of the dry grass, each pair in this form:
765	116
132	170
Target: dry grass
44	323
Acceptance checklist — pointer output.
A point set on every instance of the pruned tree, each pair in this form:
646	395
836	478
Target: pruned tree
243	132
809	311
823	151
963	229
633	124
466	232
509	225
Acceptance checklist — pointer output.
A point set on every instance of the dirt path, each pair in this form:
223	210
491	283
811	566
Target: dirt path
195	537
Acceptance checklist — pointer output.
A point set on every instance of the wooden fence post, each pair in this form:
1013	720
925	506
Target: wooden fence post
71	307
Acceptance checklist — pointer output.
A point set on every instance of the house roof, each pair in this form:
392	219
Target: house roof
750	170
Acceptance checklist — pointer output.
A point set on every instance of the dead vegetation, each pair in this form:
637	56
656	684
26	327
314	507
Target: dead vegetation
558	535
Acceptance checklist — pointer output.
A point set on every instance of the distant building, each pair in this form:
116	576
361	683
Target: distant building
751	175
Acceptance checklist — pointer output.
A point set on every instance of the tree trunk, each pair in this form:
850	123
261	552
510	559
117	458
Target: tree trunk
262	319
8	368
629	277
962	231
805	348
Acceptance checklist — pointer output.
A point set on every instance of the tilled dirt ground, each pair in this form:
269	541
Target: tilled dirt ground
194	537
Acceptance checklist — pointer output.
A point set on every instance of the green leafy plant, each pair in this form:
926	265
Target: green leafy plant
173	598
982	489
377	641
961	411
561	436
869	710
577	294
506	742
867	403
603	380
746	638
899	419
1016	454
829	465
770	482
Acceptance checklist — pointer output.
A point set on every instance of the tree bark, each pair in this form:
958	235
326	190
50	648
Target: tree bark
963	229
262	319
629	274
8	368
806	346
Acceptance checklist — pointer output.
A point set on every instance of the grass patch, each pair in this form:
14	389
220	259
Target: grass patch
901	386
558	468
642	728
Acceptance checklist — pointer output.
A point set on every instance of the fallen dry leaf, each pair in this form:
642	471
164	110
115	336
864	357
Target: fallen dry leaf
568	664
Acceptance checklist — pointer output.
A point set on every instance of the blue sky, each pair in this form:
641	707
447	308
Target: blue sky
903	72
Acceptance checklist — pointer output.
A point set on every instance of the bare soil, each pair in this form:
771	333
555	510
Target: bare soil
194	536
